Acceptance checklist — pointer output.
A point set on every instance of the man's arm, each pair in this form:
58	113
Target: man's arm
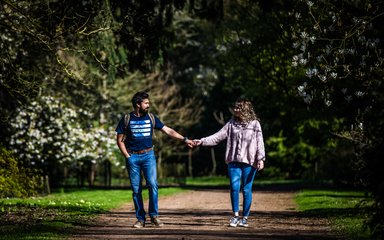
172	133
121	145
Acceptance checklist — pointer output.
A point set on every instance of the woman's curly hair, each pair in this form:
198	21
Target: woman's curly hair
247	114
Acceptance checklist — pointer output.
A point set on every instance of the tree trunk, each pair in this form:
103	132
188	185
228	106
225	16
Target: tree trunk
46	186
82	173
91	173
107	174
159	166
190	172
213	158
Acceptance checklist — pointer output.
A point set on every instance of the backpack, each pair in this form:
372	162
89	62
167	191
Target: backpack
127	117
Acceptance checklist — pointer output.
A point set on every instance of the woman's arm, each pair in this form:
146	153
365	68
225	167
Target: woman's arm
260	154
215	138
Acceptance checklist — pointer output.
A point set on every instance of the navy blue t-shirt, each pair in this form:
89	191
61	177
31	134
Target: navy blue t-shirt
139	131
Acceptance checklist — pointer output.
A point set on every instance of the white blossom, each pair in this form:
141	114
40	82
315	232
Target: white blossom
61	138
304	35
310	72
359	94
323	78
303	61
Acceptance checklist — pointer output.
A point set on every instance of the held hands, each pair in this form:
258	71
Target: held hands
191	143
197	142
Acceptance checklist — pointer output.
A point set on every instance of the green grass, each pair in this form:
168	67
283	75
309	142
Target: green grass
341	207
224	181
207	181
55	215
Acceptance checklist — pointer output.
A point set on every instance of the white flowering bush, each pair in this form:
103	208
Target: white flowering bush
339	46
47	132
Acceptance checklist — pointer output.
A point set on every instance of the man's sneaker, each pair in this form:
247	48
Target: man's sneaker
156	222
243	222
139	224
234	221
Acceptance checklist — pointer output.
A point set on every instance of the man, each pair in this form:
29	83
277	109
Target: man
134	139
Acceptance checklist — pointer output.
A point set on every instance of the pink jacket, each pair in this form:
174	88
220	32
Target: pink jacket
244	144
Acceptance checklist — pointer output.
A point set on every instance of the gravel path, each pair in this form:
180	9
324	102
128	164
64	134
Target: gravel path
204	214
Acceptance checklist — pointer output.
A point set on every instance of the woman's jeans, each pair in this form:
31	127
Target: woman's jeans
241	174
145	163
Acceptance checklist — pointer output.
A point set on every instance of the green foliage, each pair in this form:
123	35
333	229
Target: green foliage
302	154
347	210
16	181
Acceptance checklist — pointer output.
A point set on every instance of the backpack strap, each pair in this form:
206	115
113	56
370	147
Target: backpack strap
152	117
126	122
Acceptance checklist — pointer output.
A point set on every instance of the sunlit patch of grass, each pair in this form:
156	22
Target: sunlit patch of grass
207	181
224	181
347	210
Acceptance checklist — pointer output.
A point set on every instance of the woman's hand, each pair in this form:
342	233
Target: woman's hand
197	142
260	165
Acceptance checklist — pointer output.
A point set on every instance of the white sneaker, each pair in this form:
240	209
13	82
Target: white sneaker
234	221
243	222
139	224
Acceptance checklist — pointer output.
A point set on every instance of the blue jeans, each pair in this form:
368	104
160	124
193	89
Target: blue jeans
241	174
145	163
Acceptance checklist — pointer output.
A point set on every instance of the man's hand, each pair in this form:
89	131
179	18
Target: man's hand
189	143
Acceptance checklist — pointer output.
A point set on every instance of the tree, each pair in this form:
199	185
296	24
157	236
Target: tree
340	45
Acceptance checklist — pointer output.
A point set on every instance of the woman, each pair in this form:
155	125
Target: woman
244	155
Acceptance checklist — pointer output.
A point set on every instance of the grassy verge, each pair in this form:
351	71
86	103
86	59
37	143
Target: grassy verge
224	181
347	210
55	215
207	181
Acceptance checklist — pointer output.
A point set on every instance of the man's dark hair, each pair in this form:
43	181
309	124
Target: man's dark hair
138	98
